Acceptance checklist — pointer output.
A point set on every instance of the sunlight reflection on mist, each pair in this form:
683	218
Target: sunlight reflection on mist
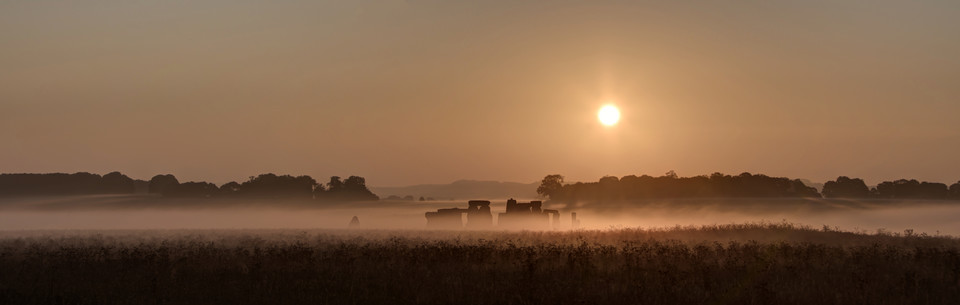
118	213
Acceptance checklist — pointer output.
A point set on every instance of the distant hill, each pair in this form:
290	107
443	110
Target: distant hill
462	189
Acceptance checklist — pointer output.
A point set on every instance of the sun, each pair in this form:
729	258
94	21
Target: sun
609	115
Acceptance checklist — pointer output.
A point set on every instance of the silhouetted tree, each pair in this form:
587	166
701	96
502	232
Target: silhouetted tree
318	191
551	184
273	186
335	185
51	184
265	185
66	184
609	180
671	186
912	189
353	188
846	187
116	183
355	184
231	188
934	190
159	183
609	189
191	189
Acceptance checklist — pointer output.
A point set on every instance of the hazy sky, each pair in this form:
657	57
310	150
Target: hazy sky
408	92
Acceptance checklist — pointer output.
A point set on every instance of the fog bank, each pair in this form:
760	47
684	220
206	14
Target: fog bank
131	212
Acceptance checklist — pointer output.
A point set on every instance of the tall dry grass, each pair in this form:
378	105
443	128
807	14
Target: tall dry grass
765	263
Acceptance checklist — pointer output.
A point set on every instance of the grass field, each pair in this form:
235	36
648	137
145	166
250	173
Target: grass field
765	263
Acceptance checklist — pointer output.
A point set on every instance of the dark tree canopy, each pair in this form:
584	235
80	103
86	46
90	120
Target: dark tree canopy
955	190
231	188
632	187
335	185
160	183
261	186
353	188
355	184
273	186
65	184
606	189
191	189
550	185
846	187
282	187
610	189
117	183
912	189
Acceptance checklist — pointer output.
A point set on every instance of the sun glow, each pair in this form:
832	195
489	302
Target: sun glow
609	115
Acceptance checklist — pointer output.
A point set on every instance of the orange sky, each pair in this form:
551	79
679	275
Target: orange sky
408	92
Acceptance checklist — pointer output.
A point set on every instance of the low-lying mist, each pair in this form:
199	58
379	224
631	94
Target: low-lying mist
143	212
932	217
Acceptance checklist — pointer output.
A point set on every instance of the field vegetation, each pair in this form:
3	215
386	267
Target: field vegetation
761	263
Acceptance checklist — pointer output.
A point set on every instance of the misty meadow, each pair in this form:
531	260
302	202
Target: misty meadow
479	152
90	239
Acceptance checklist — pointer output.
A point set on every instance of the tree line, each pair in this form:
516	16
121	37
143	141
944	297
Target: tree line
670	185
262	186
267	186
845	187
66	184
